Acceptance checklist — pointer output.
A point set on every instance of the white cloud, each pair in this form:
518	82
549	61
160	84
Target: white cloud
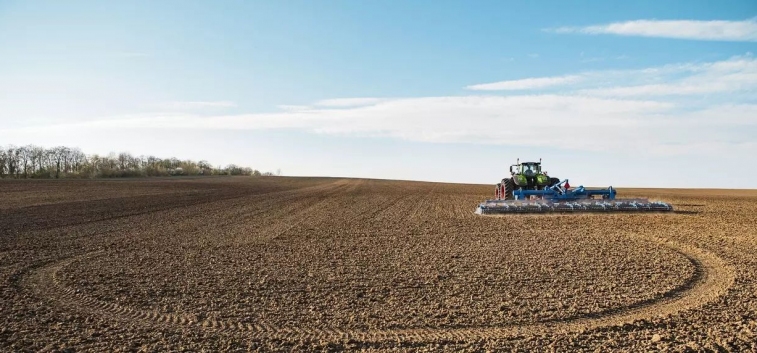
559	121
294	107
738	73
526	84
733	75
347	102
181	105
668	109
745	30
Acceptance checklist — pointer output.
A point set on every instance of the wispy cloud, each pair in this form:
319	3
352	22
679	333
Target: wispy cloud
294	108
738	73
347	102
526	84
669	109
543	120
198	104
745	30
728	76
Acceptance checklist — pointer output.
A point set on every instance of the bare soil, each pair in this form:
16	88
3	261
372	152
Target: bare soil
331	264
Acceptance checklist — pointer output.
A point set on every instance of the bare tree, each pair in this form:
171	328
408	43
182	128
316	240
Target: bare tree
12	155
24	153
58	156
3	163
37	160
61	162
78	159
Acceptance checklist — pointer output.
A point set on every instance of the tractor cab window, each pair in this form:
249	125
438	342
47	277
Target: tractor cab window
530	169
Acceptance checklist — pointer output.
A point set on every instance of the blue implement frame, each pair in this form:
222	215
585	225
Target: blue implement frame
558	192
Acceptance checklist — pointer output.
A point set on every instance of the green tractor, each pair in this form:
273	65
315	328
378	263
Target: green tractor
526	176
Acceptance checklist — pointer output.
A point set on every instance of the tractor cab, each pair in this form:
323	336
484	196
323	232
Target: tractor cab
529	176
528	169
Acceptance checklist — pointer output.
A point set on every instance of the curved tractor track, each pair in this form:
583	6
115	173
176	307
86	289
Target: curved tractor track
710	280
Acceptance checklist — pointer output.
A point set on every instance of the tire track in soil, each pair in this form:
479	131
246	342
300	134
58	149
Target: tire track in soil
45	283
296	202
178	200
35	275
301	212
5	258
711	279
218	206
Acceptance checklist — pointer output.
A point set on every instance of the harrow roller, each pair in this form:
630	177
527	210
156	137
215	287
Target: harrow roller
493	207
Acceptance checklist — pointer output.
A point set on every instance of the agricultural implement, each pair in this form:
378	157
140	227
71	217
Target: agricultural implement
530	190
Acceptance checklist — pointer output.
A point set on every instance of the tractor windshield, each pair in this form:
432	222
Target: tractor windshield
531	168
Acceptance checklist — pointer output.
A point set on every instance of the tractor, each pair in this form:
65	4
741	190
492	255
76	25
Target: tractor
523	176
531	190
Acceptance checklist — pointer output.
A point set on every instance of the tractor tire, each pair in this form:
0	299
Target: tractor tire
553	181
496	191
509	188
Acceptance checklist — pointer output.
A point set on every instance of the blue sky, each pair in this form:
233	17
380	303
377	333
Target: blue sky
648	93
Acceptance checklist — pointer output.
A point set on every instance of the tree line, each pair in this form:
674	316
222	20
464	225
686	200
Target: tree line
64	162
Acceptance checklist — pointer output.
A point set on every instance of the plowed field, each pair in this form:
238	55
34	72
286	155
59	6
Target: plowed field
329	264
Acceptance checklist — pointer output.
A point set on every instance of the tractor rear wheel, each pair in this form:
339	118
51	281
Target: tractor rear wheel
509	186
496	191
553	181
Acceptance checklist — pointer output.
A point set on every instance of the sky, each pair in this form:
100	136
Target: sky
643	93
